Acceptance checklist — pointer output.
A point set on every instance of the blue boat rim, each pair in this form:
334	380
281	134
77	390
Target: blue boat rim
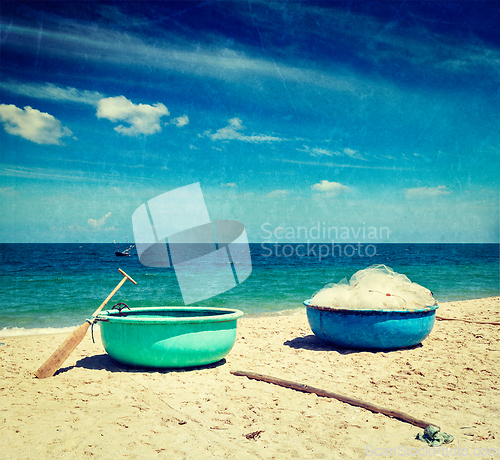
368	311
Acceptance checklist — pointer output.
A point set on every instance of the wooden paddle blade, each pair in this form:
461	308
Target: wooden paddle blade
55	361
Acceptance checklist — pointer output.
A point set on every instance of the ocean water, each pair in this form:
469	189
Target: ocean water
54	286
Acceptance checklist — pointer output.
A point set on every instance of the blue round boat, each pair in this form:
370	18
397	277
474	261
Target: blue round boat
170	337
371	329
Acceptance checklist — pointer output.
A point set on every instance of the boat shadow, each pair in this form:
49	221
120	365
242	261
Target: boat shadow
311	342
106	363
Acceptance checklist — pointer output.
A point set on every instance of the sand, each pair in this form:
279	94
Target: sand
96	408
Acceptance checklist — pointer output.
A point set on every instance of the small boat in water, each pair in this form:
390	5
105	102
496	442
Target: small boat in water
125	253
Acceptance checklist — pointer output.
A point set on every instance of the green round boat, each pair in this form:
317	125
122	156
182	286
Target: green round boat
169	337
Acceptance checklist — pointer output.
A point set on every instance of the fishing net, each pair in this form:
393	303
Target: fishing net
375	288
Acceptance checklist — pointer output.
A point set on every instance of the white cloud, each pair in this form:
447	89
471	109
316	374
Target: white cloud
352	153
142	118
319	152
426	192
99	223
88	42
233	132
33	125
56	174
53	92
73	227
278	194
7	192
181	121
376	42
330	188
338	165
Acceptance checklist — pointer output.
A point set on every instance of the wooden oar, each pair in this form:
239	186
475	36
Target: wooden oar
55	361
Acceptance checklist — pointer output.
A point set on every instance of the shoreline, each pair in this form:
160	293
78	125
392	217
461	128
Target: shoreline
16	331
95	407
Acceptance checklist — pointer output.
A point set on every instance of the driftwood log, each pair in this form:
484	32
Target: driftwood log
328	394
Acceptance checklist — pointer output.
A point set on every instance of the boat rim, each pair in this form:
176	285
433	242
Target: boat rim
226	314
370	311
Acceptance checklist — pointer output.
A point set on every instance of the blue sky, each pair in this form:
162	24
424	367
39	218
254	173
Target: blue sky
365	116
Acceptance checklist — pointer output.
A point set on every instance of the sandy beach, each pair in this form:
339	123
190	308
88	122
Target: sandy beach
96	408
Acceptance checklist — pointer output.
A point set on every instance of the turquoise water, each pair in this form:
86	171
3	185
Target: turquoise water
60	285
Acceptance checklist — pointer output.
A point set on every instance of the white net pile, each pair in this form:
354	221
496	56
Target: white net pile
375	288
